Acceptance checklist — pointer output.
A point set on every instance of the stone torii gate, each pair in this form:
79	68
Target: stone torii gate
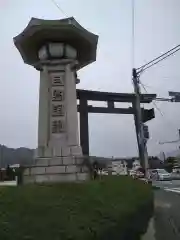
111	99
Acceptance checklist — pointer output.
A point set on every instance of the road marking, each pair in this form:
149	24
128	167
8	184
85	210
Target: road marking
176	190
169	182
175	228
162	204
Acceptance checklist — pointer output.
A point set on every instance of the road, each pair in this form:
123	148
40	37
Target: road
167	210
8	183
173	186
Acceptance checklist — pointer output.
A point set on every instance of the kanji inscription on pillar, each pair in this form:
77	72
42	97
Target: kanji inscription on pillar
57	79
57	110
57	103
57	94
58	126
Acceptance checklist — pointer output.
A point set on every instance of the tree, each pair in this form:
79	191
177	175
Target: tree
155	162
10	173
169	163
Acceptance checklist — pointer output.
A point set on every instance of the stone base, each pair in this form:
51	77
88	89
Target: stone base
46	152
56	169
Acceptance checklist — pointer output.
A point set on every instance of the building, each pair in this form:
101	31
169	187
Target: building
136	164
120	167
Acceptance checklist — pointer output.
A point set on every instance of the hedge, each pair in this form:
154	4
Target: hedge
110	208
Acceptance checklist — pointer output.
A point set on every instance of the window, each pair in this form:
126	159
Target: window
162	171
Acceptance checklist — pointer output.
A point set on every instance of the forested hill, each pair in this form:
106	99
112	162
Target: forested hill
15	156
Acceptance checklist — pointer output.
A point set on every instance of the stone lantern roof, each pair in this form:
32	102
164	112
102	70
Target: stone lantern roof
39	32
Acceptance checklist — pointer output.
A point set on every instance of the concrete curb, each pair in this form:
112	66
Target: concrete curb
150	234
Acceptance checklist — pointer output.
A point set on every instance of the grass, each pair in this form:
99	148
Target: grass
75	211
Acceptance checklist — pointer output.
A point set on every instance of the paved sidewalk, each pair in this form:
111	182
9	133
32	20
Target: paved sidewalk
165	225
167	215
8	183
150	234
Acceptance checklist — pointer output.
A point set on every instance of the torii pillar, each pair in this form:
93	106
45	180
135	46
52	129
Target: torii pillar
57	48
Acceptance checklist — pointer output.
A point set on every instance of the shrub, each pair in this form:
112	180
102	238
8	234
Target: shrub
110	208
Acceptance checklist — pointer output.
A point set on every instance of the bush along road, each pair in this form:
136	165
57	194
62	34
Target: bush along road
108	208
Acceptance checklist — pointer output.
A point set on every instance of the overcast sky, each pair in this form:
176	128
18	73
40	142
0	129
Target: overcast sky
156	31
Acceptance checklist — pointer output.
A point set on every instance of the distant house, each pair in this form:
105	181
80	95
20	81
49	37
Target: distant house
136	164
2	174
119	166
14	166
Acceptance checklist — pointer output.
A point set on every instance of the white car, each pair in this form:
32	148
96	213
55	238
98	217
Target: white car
136	174
103	172
132	172
160	174
176	170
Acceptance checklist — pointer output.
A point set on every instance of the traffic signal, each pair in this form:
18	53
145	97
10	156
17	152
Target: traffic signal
146	131
147	114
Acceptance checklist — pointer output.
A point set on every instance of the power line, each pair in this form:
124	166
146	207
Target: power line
161	99
154	63
59	7
173	141
162	55
159	110
156	107
154	89
133	33
66	15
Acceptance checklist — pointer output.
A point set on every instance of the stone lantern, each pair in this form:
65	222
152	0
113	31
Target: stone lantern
58	49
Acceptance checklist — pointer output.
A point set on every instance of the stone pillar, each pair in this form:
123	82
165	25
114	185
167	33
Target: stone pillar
58	122
57	48
59	155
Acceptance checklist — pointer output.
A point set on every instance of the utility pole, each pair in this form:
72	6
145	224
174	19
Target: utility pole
143	155
138	118
164	156
0	157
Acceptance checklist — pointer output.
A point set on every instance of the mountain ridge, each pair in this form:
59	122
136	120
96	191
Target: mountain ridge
9	156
